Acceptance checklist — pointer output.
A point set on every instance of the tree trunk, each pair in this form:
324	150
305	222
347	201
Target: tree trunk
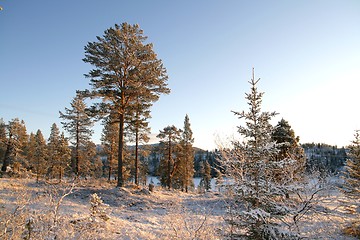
169	165
137	156
6	162
77	164
110	161
120	182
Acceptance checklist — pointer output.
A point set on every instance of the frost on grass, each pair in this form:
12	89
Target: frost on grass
27	212
98	209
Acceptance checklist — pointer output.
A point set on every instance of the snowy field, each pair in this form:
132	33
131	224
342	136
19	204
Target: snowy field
46	211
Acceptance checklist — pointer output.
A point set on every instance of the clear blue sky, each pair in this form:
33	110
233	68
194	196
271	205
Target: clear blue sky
307	54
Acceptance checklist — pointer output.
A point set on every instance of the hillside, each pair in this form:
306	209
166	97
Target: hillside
44	210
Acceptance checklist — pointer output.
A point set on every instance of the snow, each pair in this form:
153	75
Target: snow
136	213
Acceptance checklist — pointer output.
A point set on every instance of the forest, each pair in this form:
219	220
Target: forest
267	184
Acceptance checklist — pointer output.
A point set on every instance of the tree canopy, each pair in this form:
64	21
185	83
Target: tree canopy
125	67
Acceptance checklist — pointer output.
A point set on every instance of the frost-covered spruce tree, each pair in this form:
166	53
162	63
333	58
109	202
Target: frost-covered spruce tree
257	202
352	185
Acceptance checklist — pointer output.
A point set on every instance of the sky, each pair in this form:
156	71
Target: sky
307	54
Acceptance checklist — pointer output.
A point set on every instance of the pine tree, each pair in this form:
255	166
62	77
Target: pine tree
58	151
169	165
186	168
78	124
16	142
53	148
40	155
110	142
125	68
90	165
30	152
3	139
64	154
138	129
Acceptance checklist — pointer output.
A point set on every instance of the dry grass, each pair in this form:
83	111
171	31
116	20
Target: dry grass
30	210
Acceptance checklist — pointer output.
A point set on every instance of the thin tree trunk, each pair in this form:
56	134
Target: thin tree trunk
169	165
77	164
6	162
120	182
37	170
137	156
110	161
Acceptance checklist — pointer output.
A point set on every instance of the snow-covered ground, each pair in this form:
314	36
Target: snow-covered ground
136	213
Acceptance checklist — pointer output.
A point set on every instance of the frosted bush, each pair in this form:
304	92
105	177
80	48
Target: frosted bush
98	208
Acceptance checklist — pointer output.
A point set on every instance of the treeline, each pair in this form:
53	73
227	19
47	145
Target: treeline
174	160
324	158
50	157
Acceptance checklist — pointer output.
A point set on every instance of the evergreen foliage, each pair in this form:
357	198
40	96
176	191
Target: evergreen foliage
324	158
260	197
138	129
352	185
58	151
185	171
110	142
77	123
16	141
40	155
170	136
124	69
288	148
205	170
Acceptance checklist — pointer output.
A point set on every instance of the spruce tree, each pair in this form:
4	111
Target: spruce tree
124	68
352	181
205	171
170	136
252	165
289	148
77	123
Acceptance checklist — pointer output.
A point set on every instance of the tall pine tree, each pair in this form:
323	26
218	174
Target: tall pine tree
186	168
170	136
40	155
110	142
124	68
138	128
16	141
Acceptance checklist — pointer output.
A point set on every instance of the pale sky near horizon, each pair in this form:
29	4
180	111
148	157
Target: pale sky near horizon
307	54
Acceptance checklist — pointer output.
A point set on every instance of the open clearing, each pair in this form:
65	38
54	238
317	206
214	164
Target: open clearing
136	213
